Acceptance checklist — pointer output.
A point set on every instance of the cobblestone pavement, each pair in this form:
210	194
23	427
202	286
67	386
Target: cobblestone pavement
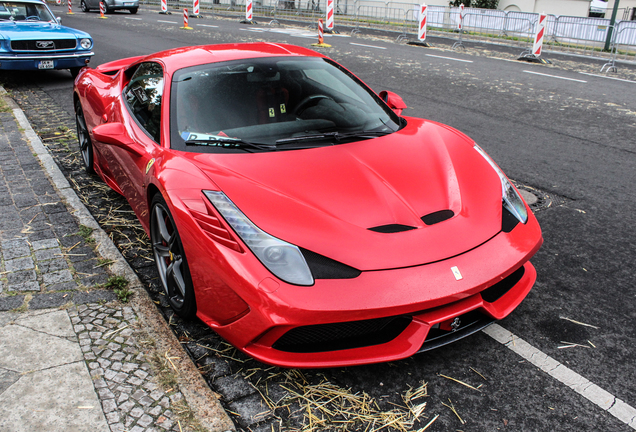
131	398
48	260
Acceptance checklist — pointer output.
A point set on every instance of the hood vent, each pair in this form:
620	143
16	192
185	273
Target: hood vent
437	217
392	228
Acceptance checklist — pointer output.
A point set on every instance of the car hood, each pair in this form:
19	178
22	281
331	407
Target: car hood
38	30
327	199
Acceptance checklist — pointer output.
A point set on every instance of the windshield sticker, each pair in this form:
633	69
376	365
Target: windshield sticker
140	94
283	110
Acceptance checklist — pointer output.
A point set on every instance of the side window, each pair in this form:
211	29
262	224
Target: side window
143	95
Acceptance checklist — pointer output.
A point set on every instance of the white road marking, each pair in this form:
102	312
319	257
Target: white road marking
368	46
581	385
167	22
607	77
207	25
136	19
449	58
554	76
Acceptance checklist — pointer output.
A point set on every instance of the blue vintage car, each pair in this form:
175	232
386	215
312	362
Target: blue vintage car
32	38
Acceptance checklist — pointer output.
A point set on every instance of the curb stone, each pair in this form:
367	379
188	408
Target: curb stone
202	401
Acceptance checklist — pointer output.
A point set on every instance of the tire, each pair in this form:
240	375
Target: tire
84	139
84	7
170	260
107	9
134	10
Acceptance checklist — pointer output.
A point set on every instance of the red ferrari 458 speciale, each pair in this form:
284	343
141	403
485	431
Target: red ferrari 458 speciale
298	213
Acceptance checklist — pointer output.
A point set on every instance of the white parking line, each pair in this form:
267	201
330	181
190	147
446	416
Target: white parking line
207	25
136	19
449	58
367	46
612	78
581	385
554	76
167	22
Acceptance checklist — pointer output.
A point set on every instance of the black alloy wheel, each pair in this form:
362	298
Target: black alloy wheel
84	7
83	138
170	260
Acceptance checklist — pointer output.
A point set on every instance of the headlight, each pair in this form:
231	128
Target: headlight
281	258
511	199
86	43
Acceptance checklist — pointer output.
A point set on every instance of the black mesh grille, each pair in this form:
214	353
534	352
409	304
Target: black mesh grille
43	45
339	336
437	217
495	292
325	268
391	228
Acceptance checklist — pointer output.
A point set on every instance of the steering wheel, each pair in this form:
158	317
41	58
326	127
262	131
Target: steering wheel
32	18
309	100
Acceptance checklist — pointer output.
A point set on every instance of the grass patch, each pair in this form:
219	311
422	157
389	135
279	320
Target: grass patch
119	285
86	232
3	106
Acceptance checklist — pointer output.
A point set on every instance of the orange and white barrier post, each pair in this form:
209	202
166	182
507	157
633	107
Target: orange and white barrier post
164	7
70	8
321	41
185	20
330	15
102	10
538	38
421	34
195	7
58	2
460	25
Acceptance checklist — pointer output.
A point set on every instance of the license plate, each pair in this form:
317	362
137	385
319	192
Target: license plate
128	3
46	64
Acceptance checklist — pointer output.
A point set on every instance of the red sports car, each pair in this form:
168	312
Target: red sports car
298	213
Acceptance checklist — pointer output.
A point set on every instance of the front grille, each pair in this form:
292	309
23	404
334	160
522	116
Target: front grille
467	324
43	45
495	292
340	336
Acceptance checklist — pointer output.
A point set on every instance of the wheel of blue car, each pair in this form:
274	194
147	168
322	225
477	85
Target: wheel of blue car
170	260
84	7
83	138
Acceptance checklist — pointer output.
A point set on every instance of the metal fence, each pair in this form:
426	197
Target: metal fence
579	35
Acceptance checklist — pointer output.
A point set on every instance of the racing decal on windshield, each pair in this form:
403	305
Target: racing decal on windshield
140	94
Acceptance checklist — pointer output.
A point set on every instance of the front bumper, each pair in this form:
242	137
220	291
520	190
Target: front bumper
428	297
31	61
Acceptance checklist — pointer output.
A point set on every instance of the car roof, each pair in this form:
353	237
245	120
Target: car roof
179	58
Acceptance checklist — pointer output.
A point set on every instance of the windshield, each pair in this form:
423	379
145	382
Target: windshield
276	103
35	11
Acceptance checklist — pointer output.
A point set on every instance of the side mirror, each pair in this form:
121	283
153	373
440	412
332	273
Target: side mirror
115	134
394	101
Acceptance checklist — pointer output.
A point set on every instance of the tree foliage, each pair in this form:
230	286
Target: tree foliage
483	4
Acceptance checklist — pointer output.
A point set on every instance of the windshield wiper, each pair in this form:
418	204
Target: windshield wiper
228	143
337	136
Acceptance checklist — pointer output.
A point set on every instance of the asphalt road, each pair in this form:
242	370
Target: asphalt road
566	134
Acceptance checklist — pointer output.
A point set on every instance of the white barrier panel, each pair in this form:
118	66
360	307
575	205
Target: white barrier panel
538	38
329	14
248	10
421	34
